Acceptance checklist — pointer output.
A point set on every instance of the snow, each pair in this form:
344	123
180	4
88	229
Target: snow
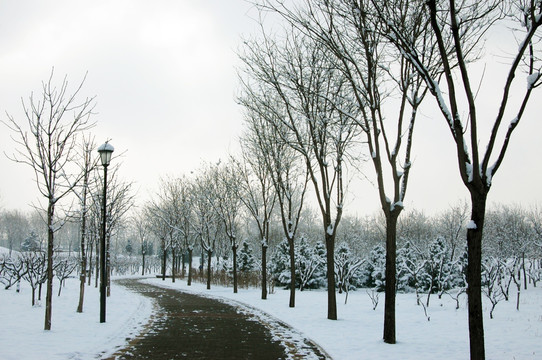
73	335
106	147
472	225
532	78
398	204
357	334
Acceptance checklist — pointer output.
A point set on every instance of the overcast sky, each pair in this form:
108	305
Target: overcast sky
164	79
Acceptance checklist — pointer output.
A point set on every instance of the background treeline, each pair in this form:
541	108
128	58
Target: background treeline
431	253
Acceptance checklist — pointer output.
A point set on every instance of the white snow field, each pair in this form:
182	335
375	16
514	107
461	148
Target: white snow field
357	334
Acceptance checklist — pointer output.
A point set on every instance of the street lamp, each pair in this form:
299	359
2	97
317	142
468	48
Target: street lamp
105	151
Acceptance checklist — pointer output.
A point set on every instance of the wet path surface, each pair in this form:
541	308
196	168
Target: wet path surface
188	326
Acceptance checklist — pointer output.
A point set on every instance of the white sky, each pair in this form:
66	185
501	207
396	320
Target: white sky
163	73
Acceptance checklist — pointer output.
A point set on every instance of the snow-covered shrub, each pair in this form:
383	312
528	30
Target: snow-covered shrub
245	259
309	261
347	268
374	271
408	267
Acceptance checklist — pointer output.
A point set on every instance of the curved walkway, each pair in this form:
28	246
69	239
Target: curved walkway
187	326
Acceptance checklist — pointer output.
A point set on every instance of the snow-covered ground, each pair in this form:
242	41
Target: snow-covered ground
356	335
73	335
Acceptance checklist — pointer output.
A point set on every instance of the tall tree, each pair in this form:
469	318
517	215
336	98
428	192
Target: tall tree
141	229
288	174
376	75
47	144
87	164
227	205
258	196
310	92
456	28
206	221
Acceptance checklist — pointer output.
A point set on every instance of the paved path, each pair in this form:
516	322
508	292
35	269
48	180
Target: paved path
188	326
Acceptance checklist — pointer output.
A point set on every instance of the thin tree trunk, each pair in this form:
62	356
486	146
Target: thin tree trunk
183	266
97	271
209	256
108	265
390	273
89	275
82	276
264	271
331	296
234	250
173	264
524	272
190	267
50	246
474	276
143	263
292	272
164	263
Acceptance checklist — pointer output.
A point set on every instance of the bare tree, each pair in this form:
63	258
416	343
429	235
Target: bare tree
206	221
186	220
120	201
87	164
141	228
456	29
227	205
374	73
258	195
47	144
452	224
288	175
12	269
310	92
169	209
35	264
63	270
15	225
161	229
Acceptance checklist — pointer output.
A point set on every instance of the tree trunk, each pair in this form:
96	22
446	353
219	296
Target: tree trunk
209	256
391	255
190	267
164	263
292	272
89	264
524	271
82	276
173	264
474	276
143	263
234	250
82	280
264	271
108	265
49	293
183	267
97	271
331	297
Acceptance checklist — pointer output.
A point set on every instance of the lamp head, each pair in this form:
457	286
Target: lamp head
105	151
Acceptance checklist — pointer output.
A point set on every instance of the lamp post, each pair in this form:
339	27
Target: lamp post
105	151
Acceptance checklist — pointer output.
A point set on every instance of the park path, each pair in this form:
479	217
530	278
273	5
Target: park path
187	326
